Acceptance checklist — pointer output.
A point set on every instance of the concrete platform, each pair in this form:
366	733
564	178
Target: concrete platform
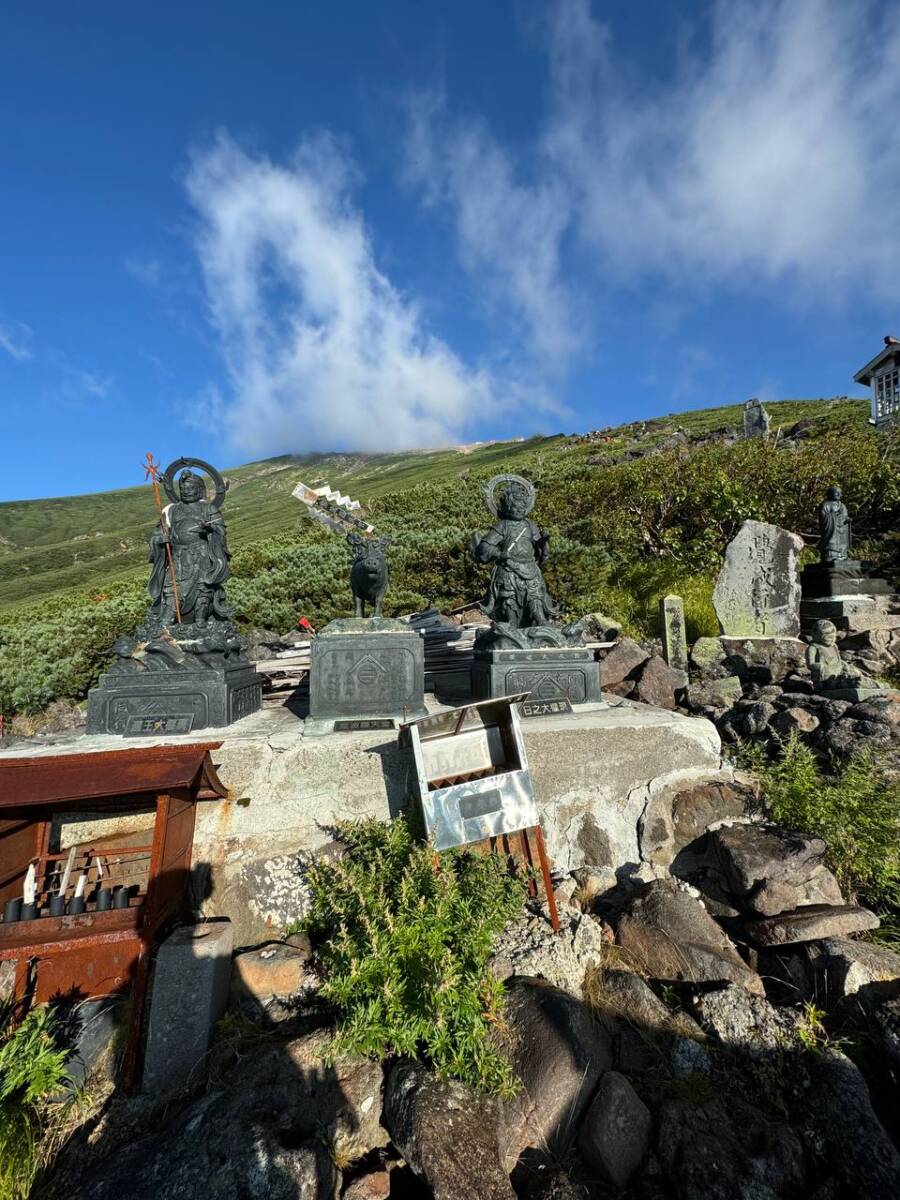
594	772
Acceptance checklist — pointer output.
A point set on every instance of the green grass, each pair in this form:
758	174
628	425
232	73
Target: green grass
855	809
32	1068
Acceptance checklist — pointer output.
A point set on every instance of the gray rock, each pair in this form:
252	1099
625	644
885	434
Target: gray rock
658	683
757	593
716	693
374	1185
528	946
811	923
615	1132
698	806
688	1057
446	1134
549	1181
768	870
743	1021
884	710
559	1051
793	720
726	1150
627	997
708	656
860	1152
230	1146
672	937
272	982
621	662
886	1020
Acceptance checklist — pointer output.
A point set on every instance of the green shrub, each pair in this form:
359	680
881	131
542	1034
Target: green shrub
856	811
31	1069
404	935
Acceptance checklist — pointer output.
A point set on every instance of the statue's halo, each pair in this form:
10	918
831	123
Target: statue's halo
491	486
168	479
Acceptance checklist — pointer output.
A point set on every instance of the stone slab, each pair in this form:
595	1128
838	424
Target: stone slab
554	673
186	700
189	994
592	772
853	614
757	593
374	672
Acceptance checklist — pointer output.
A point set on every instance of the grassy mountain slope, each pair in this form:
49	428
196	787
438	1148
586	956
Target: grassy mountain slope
633	512
49	546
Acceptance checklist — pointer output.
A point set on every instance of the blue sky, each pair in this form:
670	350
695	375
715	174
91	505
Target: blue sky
232	230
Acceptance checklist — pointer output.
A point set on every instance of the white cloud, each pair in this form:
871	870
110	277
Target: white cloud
763	156
321	349
508	229
15	339
769	156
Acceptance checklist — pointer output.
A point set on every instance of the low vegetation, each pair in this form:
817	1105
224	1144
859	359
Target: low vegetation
404	936
625	530
856	810
32	1068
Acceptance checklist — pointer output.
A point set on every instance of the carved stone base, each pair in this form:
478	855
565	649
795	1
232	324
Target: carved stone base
365	667
551	674
853	614
160	702
849	578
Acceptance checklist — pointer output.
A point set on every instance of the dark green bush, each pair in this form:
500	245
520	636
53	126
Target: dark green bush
404	935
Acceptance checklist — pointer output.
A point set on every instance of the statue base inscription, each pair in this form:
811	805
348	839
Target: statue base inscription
170	702
554	673
365	667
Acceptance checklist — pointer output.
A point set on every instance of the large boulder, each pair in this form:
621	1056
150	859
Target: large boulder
727	1150
447	1134
559	1051
669	935
757	593
769	870
271	982
855	1142
615	1132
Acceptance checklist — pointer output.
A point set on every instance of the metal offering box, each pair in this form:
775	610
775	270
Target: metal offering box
472	772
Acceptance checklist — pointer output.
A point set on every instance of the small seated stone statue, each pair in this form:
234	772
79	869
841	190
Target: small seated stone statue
830	673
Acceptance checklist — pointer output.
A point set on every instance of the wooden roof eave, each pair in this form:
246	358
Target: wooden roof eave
67	778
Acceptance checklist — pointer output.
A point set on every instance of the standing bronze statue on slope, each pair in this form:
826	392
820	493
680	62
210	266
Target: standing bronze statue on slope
517	596
190	537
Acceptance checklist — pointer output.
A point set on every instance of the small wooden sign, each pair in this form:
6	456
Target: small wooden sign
138	726
545	708
364	723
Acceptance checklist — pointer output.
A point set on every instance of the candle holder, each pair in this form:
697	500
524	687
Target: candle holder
57	906
120	896
104	899
76	906
12	910
29	912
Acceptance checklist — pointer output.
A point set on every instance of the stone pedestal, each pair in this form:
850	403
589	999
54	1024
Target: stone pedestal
365	667
178	701
552	673
853	613
850	577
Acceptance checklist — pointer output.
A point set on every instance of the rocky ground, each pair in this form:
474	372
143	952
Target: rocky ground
761	689
709	1032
